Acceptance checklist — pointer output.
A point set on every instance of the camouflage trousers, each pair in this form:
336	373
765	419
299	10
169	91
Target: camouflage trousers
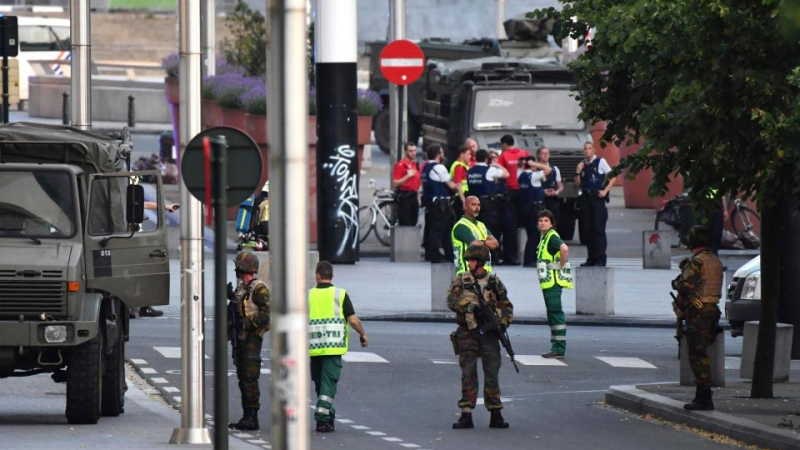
248	369
702	327
556	320
325	373
471	346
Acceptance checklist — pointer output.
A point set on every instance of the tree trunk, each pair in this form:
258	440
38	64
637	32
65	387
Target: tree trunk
772	229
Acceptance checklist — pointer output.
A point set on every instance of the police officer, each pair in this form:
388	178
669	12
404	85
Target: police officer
329	311
470	231
551	260
552	185
439	216
251	306
531	201
591	177
699	289
482	182
471	342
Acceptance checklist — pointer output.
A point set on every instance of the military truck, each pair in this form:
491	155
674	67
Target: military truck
77	252
528	98
527	39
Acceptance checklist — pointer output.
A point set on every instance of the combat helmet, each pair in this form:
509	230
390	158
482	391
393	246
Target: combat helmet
478	252
699	236
246	262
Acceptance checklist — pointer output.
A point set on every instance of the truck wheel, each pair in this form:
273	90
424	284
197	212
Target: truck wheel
85	382
566	220
114	378
380	125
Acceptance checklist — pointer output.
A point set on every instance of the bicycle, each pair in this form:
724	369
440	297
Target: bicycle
741	220
380	216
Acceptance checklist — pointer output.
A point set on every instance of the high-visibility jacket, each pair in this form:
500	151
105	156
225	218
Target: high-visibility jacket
548	276
459	248
463	181
327	327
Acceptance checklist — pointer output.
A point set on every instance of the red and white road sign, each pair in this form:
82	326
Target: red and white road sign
402	62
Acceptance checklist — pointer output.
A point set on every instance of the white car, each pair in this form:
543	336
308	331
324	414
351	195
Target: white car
43	42
744	296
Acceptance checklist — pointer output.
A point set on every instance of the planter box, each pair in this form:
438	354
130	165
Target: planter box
635	191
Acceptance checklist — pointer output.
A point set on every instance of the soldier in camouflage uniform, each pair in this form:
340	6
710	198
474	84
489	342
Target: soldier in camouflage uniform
699	288
251	304
470	342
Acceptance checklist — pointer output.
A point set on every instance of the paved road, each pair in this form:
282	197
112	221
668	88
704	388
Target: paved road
402	391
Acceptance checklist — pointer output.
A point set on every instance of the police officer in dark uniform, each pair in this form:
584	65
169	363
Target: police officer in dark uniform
591	177
699	289
251	305
552	185
437	189
531	202
482	182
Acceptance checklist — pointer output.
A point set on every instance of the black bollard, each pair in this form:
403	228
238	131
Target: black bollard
64	108
131	112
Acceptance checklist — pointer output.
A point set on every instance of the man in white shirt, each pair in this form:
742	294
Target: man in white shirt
482	181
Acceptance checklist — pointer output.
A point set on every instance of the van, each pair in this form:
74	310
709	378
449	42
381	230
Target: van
43	42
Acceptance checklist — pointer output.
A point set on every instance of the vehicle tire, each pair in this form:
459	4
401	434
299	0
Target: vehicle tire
85	381
743	218
383	230
114	378
380	125
566	220
366	217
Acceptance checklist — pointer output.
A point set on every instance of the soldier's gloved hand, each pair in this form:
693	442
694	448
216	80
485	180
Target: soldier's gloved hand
697	303
230	291
675	283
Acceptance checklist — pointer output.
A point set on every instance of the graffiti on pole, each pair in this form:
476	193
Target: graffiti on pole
346	207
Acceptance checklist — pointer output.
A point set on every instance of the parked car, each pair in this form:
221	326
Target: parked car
44	49
744	296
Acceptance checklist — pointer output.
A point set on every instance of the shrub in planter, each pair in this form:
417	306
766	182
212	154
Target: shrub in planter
254	100
368	102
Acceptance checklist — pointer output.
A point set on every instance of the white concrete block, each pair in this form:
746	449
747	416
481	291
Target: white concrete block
594	290
441	276
717	354
405	244
783	351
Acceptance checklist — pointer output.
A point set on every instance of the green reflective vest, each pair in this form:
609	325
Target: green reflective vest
545	263
459	248
327	327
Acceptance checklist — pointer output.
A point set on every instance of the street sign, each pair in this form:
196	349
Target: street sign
243	165
402	62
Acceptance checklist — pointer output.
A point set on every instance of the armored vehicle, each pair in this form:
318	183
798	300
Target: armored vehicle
529	99
77	252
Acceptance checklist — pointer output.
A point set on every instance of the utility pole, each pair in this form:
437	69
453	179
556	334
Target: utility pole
398	95
500	17
80	64
287	125
208	35
193	429
337	124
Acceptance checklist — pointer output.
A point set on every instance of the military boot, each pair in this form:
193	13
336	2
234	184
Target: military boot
464	422
703	402
248	422
325	427
497	420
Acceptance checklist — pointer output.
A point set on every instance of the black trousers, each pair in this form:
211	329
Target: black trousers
595	215
553	204
509	218
529	219
438	224
407	208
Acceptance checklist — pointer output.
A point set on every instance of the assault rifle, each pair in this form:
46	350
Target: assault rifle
235	323
490	323
678	308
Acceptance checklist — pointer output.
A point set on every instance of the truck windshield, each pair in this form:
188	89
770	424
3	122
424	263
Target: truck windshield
526	109
36	204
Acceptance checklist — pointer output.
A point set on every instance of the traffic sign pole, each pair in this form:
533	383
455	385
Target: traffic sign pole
218	184
398	114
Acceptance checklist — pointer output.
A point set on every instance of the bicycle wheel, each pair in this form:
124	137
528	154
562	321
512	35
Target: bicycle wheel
742	219
386	220
366	219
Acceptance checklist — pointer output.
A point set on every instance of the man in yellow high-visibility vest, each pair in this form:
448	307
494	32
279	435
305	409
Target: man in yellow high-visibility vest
470	231
329	311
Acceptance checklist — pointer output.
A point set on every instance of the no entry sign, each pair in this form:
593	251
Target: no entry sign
402	62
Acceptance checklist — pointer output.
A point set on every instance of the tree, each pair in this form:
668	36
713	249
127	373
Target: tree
247	46
713	87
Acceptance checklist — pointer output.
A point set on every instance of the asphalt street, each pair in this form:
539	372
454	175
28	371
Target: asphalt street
401	392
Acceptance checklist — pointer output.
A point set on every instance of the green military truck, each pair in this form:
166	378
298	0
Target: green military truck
77	252
528	98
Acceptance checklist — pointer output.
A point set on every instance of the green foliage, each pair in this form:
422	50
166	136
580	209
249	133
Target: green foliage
246	47
712	85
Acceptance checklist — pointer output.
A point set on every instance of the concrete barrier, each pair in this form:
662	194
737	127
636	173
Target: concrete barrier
783	351
594	290
441	276
656	250
405	244
716	353
265	261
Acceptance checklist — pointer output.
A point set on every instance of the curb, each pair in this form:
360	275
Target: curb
595	321
641	402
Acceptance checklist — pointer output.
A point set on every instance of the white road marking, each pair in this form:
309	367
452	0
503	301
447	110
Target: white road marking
159	380
359	427
624	362
148	370
376	433
409	445
171	389
537	360
139	362
444	361
171	352
242	435
363	357
502	399
266	371
392	439
258	442
733	362
343	420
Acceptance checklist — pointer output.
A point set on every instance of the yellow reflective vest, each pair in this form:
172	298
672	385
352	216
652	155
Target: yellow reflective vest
455	164
545	262
327	327
459	248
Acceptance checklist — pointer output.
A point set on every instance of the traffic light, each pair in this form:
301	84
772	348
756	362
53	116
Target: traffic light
9	42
